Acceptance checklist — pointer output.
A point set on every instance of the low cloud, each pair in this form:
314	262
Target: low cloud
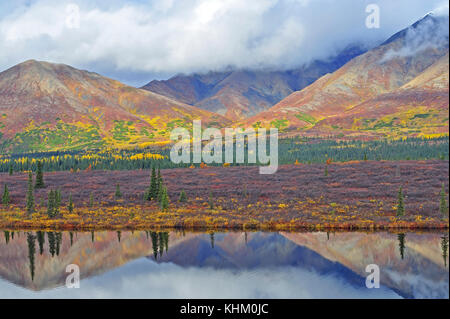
162	37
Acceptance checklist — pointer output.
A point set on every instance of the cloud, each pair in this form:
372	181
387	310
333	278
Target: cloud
162	37
146	279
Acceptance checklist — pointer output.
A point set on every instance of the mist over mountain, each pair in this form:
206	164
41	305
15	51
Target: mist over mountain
239	94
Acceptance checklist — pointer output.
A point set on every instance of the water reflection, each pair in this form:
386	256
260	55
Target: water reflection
251	265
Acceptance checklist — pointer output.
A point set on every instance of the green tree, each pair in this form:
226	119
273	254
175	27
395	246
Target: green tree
70	205
159	181
211	200
326	170
30	195
159	193
51	204
401	245
41	240
153	189
51	243
443	206
31	252
39	176
400	203
91	200
6	199
164	204
57	194
11	170
444	247
118	194
183	197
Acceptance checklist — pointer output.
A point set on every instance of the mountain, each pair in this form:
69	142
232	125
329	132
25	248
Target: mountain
46	106
95	254
377	93
357	250
240	94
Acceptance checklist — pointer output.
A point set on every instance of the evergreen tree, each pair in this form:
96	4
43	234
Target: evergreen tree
211	200
70	205
400	203
118	194
39	176
159	193
30	194
6	200
444	247
31	252
91	200
211	236
365	157
183	197
154	237
71	238
443	206
57	202
51	243
153	189
401	245
51	204
41	240
164	204
326	170
159	181
11	170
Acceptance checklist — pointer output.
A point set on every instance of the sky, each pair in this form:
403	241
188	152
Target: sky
141	40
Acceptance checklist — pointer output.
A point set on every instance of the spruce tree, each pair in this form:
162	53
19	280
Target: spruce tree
164	203
443	206
326	170
6	200
118	194
70	205
400	203
183	197
11	170
159	181
153	189
51	204
39	176
91	200
57	198
30	195
211	201
159	193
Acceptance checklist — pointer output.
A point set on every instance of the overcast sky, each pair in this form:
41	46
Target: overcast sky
137	41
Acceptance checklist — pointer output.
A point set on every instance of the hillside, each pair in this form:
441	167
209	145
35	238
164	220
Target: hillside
400	72
239	94
46	106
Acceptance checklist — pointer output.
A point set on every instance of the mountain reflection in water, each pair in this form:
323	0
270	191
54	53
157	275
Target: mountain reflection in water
145	264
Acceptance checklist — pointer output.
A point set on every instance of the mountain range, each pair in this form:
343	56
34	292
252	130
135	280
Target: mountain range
240	94
396	89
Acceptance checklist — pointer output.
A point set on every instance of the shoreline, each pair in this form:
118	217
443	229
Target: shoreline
207	221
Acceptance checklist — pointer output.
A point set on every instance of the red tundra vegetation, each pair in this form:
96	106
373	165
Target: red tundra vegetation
353	195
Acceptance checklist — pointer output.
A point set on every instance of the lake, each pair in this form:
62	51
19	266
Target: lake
147	264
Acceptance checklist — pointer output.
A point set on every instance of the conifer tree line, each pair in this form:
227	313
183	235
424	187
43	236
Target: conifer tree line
302	150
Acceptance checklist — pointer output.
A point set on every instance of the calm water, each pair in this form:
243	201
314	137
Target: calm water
223	265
